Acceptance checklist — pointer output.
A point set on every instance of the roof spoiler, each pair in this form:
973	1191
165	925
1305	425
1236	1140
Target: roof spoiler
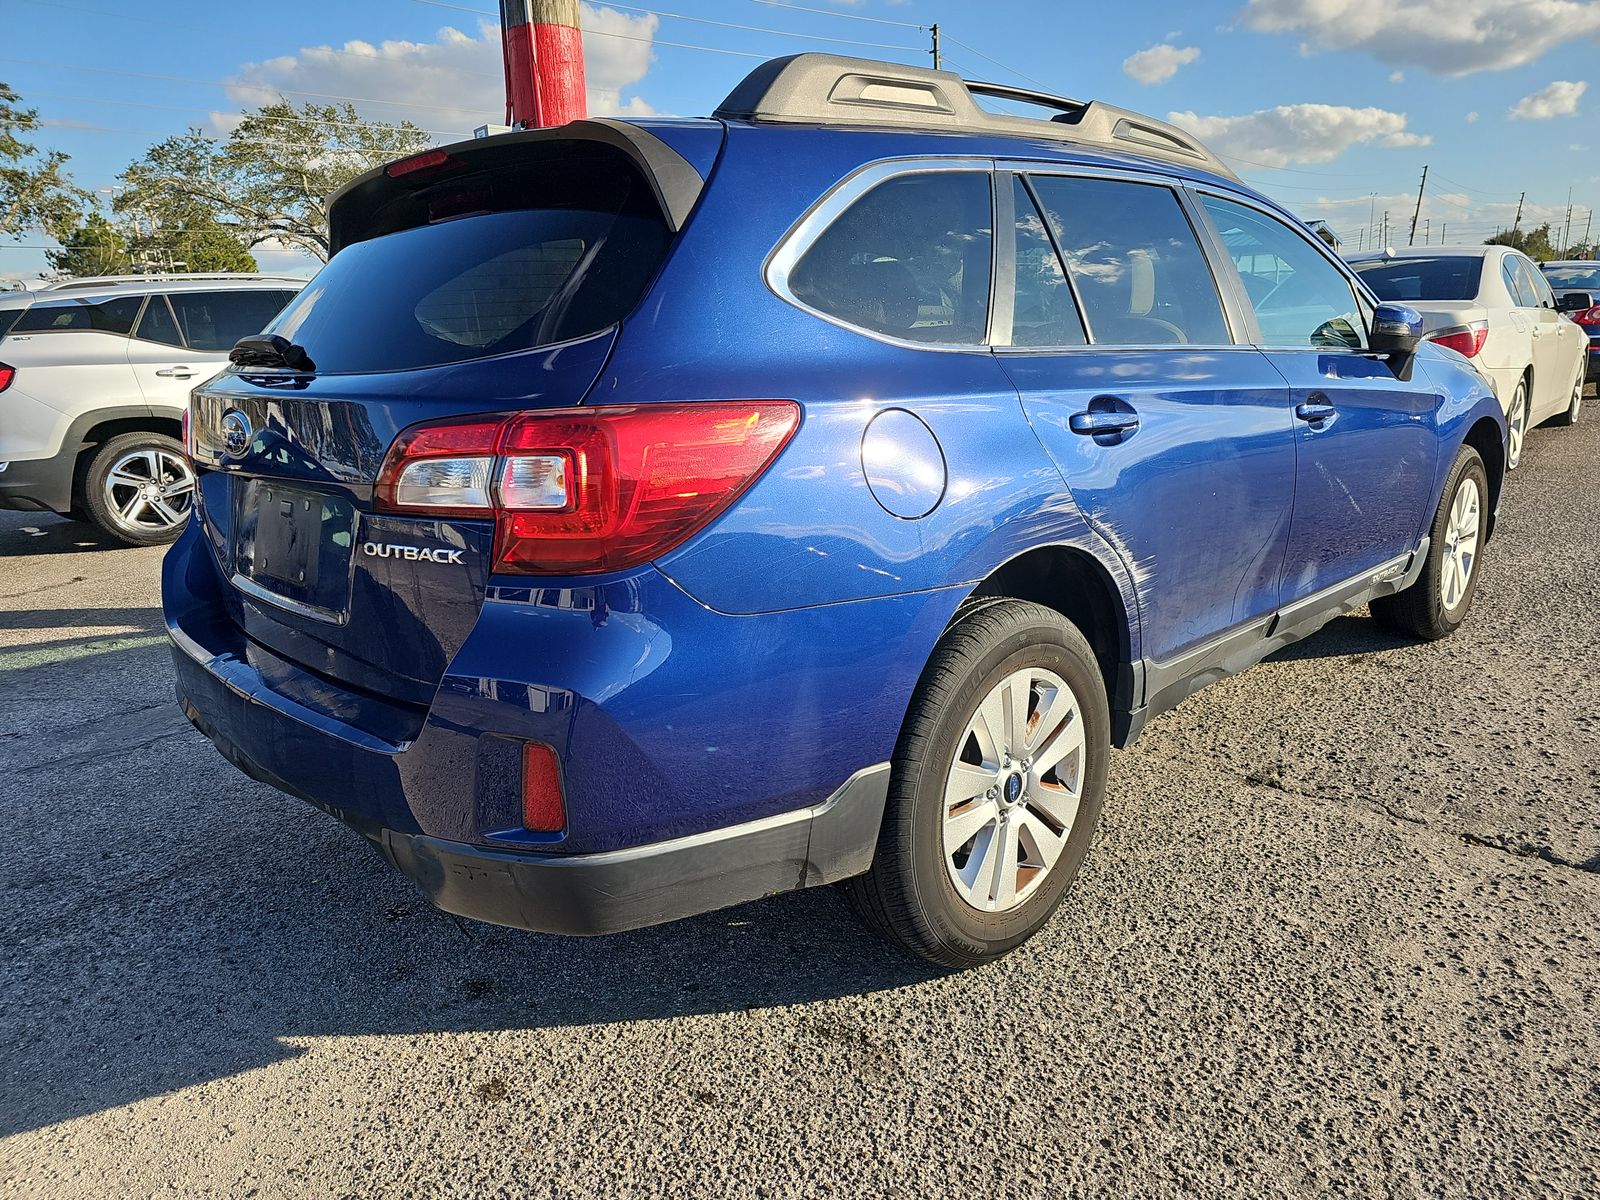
830	89
677	185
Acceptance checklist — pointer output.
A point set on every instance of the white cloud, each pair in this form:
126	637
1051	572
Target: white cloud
449	85
1299	133
1159	63
1557	99
1472	118
1397	76
1447	37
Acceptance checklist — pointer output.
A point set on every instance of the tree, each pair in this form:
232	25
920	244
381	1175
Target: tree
1536	243
186	237
269	180
93	248
34	188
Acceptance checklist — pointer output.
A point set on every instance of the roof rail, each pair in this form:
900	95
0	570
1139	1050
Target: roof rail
830	89
89	281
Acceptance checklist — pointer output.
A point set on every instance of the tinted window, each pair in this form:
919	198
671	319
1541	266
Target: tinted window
1577	279
1134	261
7	317
909	259
1521	293
104	316
1411	279
1044	313
1299	297
1536	280
214	321
157	325
572	259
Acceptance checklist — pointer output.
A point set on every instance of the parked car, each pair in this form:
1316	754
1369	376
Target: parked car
1492	304
718	507
94	380
1575	283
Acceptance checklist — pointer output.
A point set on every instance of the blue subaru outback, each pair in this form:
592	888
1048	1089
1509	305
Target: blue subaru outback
637	518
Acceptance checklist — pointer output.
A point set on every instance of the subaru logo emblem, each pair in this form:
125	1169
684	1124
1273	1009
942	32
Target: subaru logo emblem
1014	789
236	433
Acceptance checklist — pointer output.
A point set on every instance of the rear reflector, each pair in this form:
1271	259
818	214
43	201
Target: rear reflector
543	808
576	491
1466	340
7	374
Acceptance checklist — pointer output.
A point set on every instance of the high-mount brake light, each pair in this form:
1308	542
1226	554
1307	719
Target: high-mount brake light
428	160
580	490
7	374
1466	340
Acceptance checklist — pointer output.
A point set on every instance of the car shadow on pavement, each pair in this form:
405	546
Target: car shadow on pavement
23	534
166	922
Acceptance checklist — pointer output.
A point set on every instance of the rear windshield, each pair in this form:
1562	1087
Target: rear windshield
1574	278
1423	278
571	259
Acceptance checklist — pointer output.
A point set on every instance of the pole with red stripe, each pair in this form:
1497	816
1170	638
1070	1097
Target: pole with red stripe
543	52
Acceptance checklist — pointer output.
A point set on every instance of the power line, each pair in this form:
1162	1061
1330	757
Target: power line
192	108
996	62
824	12
812	37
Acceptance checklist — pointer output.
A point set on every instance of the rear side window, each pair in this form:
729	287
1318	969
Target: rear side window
8	317
1135	262
1533	280
1520	289
157	325
571	258
1412	279
910	259
98	316
214	321
1299	297
1044	312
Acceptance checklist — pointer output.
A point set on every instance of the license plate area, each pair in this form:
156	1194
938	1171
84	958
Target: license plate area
292	547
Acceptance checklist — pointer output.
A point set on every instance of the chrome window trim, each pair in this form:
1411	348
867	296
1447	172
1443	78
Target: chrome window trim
815	221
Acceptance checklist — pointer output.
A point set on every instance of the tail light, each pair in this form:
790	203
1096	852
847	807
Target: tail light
7	374
1465	340
575	491
1588	317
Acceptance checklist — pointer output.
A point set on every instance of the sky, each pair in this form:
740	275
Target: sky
1333	107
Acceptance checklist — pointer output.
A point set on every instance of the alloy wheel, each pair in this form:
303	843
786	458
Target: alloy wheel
1461	543
149	490
1517	427
1014	789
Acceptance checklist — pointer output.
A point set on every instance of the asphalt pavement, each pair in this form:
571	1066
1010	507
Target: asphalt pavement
1339	938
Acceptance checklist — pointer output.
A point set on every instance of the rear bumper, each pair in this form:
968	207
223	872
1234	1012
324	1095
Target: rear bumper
707	759
38	484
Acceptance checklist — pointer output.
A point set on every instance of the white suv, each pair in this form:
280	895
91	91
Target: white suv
95	376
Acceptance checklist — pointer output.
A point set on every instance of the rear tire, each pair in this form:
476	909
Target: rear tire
1438	602
996	788
139	489
1517	424
1570	417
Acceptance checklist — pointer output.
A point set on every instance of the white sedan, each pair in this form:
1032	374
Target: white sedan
1492	304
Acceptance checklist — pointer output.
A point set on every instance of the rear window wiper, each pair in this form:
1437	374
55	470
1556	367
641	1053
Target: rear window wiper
270	350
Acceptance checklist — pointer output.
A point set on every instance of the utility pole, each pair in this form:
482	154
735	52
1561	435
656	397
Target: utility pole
1517	224
1412	240
1427	231
542	51
934	29
1566	231
1588	223
1443	225
1385	242
1372	215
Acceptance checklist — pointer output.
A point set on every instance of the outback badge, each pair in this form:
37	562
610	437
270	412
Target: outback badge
410	553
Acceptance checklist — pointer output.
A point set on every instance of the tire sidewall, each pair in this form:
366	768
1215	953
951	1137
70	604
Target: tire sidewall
1045	641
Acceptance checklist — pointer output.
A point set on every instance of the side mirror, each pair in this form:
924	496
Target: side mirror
1396	333
1574	302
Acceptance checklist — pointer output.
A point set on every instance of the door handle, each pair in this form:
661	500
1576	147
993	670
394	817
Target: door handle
1096	423
175	373
1315	408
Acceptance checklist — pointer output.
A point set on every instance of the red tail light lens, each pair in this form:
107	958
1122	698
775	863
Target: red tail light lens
1466	340
7	374
544	808
1589	317
576	491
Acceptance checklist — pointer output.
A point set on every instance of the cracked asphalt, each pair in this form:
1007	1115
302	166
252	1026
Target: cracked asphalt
1339	938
